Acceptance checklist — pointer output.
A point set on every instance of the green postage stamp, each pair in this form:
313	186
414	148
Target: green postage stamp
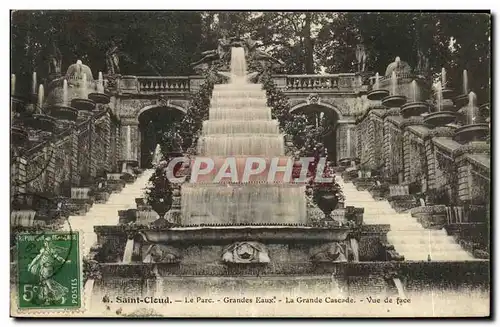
48	270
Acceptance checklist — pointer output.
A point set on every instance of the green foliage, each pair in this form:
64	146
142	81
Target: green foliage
306	137
150	43
451	40
159	188
197	112
164	43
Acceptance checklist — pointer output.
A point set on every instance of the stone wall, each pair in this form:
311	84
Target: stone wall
407	151
53	166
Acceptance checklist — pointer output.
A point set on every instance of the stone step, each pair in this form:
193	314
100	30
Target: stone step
399	227
438	256
352	190
367	202
388	217
107	213
412	240
437	233
431	247
123	200
361	197
382	214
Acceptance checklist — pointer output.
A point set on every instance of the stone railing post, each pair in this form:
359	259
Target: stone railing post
195	82
279	81
127	84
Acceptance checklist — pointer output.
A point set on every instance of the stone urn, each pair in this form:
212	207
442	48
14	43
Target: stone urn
326	200
162	205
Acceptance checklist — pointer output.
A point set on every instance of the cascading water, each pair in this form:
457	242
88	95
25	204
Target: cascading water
443	77
439	96
157	156
376	85
40	98
65	92
240	124
13	84
415	91
33	83
129	249
83	87
394	83
465	82
100	84
471	113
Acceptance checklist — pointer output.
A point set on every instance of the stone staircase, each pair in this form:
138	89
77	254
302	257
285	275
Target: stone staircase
408	236
106	213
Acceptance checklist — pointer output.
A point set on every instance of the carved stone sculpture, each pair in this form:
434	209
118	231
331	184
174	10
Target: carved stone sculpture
399	66
423	62
160	253
224	49
210	56
329	252
245	252
112	59
55	60
361	57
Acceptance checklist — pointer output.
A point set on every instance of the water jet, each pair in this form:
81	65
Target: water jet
394	100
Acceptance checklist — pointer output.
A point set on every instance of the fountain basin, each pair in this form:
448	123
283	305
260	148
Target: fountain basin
473	132
394	101
19	136
42	122
228	234
485	107
414	109
63	112
447	93
346	162
129	162
377	94
440	118
83	104
18	103
461	100
100	98
485	111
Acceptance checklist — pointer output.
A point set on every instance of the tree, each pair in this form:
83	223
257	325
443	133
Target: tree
164	43
454	41
150	43
291	37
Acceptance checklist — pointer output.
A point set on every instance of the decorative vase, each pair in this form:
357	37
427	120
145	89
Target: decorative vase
162	205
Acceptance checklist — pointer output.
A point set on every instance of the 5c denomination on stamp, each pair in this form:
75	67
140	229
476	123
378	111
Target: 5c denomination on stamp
48	270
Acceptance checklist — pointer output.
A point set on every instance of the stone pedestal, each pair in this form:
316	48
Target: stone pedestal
130	141
174	214
346	140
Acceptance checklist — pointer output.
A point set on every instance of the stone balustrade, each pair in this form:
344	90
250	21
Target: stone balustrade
163	84
328	82
151	85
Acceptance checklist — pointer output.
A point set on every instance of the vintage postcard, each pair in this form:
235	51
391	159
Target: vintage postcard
250	164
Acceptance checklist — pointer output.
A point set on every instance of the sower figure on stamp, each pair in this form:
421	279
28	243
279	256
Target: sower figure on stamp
42	266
